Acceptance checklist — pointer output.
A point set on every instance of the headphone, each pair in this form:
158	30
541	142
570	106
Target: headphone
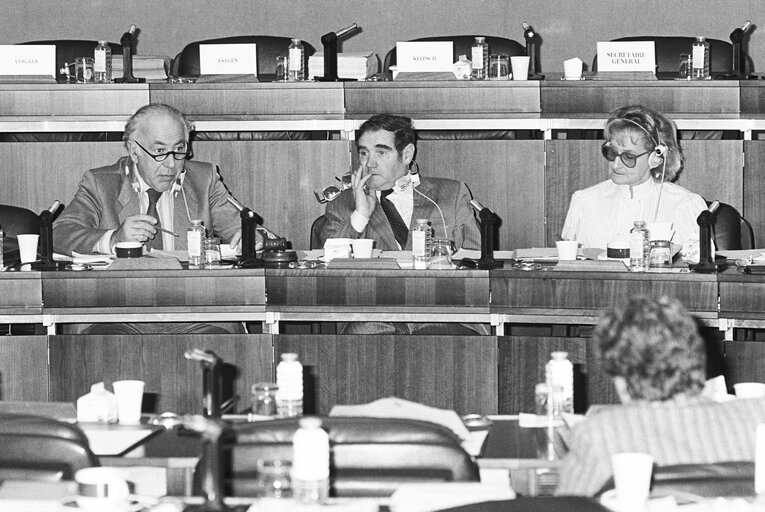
412	177
177	186
660	148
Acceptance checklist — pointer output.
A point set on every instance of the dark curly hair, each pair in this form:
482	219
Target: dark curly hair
401	126
655	346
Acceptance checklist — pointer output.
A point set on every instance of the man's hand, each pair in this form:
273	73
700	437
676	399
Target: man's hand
136	228
365	200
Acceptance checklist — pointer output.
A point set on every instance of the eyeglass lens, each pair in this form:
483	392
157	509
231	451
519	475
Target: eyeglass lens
628	159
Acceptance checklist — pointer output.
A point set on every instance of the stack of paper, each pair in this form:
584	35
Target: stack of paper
349	65
150	67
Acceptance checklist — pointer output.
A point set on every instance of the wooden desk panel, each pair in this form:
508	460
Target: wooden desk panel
754	189
560	294
380	289
742	297
447	99
75	100
20	293
705	98
153	290
255	100
24	368
172	382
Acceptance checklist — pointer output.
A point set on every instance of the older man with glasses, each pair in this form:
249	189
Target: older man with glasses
149	196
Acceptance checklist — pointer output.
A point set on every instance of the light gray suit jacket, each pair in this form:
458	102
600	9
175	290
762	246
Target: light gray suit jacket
451	195
106	198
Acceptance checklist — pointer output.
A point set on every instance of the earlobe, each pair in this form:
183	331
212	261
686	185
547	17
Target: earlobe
408	153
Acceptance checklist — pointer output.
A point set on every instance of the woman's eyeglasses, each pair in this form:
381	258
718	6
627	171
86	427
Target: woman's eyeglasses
627	158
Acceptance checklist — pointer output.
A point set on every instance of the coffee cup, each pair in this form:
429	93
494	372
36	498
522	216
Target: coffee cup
101	489
128	249
632	480
567	249
28	247
520	66
572	69
618	249
362	247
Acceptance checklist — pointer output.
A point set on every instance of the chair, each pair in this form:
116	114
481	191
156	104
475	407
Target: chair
730	230
14	221
369	456
316	228
537	504
669	48
462	46
40	448
186	63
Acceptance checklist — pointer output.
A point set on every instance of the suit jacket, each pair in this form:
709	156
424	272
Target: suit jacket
106	198
451	195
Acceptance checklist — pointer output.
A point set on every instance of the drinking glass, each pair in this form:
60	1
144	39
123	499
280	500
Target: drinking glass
499	67
83	67
685	66
281	68
264	398
273	479
441	254
211	250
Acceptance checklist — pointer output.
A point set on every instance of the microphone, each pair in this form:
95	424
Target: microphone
706	264
248	259
329	40
737	38
45	220
488	222
127	58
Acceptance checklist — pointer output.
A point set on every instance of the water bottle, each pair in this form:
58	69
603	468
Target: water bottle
310	463
700	58
289	379
421	244
195	235
102	67
2	239
640	247
296	60
559	371
480	58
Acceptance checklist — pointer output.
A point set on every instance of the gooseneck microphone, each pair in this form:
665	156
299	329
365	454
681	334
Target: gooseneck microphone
248	258
706	218
489	221
45	219
329	40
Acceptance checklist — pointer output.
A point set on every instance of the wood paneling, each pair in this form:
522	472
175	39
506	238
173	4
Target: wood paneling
670	97
522	362
742	296
443	99
21	293
76	362
504	175
277	179
754	188
743	362
24	368
73	100
442	371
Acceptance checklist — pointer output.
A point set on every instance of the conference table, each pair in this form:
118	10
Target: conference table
532	314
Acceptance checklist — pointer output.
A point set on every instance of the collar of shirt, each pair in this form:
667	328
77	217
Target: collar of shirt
403	201
638	191
165	209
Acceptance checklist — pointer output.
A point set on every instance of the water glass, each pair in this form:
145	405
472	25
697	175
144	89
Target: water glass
211	250
83	68
264	398
273	478
661	254
282	65
499	67
686	65
441	254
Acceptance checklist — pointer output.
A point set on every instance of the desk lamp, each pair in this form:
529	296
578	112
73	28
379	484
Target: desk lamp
706	264
489	222
127	58
329	40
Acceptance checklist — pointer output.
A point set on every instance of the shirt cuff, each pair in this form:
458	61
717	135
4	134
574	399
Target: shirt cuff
358	221
103	246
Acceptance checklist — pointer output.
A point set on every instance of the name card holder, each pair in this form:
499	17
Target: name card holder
418	61
621	61
27	63
228	59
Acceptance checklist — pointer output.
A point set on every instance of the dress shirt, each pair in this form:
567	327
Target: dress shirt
402	200
693	431
606	212
165	206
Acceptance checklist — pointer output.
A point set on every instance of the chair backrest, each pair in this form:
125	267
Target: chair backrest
669	49
537	504
41	448
462	46
730	230
316	228
186	63
370	456
15	221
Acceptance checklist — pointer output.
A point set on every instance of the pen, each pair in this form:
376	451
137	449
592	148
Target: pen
166	231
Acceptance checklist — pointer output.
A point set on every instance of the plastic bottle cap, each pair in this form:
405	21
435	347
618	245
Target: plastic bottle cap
102	43
288	357
296	41
310	422
559	355
197	222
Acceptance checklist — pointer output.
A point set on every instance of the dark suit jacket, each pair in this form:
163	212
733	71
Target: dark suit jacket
106	198
451	195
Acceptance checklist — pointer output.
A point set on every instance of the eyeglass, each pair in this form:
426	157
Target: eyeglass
627	158
330	192
177	155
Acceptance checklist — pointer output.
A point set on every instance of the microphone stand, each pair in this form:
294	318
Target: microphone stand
706	264
532	50
739	62
211	380
46	218
127	59
489	221
329	40
248	259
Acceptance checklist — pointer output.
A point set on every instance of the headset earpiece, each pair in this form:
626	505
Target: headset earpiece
660	149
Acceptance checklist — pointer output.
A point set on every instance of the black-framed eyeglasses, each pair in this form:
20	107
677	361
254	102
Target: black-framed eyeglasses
177	155
627	158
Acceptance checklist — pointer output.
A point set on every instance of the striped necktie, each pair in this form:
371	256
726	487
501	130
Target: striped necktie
156	242
397	224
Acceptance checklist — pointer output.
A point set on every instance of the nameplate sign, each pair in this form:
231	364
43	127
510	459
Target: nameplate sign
425	56
626	56
28	60
228	59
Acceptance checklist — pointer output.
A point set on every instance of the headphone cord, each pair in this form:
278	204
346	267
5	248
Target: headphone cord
661	188
443	220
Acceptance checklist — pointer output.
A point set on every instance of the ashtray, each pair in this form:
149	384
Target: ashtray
476	422
128	249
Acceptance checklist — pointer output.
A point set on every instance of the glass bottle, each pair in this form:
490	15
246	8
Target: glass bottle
640	247
195	235
289	379
102	66
421	244
480	58
700	56
2	239
264	398
310	462
559	371
296	61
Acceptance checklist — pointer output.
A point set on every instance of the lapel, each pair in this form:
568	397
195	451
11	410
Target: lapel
424	209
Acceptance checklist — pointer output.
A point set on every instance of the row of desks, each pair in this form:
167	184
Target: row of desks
537	105
728	299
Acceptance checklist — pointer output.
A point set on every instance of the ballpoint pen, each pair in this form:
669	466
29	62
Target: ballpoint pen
166	231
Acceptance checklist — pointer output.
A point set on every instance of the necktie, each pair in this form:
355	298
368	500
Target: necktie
400	231
156	243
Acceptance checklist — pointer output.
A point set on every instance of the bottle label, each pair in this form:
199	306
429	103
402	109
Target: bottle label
418	243
636	246
296	59
99	66
698	56
194	239
477	54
